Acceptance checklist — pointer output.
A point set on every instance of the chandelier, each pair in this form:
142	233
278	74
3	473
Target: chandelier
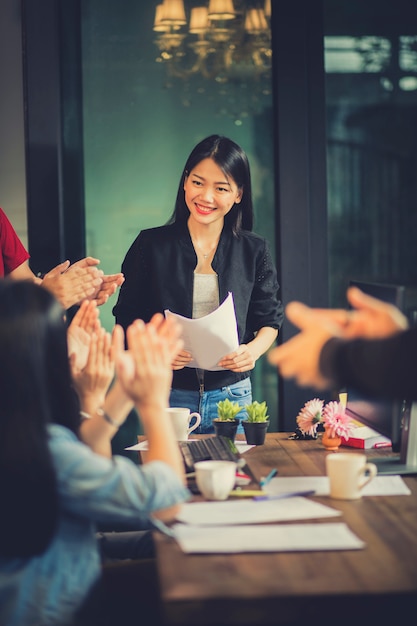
222	41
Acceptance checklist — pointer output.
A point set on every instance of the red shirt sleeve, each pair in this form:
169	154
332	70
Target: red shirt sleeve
12	252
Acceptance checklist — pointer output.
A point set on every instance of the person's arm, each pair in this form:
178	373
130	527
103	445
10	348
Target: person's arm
71	284
68	284
145	374
13	254
92	383
301	357
298	357
370	317
23	272
385	368
264	316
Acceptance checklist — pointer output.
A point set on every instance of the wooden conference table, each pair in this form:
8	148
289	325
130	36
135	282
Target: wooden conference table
377	584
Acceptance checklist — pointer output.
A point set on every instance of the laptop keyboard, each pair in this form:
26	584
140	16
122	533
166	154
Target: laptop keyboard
215	448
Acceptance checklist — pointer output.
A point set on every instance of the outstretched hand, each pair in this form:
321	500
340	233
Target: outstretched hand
299	356
372	318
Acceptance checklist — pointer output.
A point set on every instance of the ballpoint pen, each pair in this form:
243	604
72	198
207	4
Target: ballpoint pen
267	479
289	494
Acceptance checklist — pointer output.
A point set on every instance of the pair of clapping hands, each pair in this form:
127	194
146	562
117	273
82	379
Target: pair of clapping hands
143	372
299	357
72	283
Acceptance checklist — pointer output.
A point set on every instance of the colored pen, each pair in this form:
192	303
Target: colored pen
246	493
268	478
289	494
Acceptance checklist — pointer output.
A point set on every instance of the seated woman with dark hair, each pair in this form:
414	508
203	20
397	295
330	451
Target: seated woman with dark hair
54	487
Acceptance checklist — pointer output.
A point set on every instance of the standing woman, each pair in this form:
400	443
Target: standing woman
189	265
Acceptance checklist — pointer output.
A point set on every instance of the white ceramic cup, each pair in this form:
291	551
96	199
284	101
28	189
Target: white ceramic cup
348	474
181	419
215	479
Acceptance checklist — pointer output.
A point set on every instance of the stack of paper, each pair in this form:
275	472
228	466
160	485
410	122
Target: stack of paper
211	337
235	526
220	527
277	538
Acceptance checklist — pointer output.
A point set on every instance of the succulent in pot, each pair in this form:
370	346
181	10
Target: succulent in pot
257	412
227	410
257	422
226	422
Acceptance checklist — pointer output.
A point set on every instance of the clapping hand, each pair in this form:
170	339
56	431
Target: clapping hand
84	323
144	370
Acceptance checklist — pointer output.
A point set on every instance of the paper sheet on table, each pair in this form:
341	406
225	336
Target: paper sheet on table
277	538
379	486
210	337
242	446
233	513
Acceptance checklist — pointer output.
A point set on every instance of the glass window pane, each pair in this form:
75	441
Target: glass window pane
371	107
148	97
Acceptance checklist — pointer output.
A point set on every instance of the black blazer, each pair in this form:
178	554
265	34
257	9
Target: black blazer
159	274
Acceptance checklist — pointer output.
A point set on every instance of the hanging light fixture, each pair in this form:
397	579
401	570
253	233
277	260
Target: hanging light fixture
223	40
221	10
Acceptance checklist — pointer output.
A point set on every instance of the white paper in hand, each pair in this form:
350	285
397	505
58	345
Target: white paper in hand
211	337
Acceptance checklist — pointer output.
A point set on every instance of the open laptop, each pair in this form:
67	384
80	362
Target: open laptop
215	448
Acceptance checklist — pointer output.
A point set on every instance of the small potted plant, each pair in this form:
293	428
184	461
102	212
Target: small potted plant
226	422
256	423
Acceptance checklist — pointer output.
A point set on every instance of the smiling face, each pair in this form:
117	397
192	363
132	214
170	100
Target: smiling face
209	193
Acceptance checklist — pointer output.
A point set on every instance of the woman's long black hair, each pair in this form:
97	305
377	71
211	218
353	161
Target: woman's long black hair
35	390
234	163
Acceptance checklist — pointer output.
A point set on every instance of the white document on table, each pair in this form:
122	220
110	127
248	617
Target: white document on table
268	538
230	512
211	337
379	486
242	446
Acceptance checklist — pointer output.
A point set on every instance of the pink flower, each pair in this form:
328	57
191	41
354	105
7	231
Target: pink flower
310	416
336	420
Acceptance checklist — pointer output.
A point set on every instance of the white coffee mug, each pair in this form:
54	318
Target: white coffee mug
348	474
181	419
215	479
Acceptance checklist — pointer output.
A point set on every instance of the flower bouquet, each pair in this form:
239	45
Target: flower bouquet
330	419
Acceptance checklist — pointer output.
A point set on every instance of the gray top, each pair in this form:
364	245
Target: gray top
205	294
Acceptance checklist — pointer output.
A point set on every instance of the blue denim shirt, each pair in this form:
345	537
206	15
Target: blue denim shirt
48	589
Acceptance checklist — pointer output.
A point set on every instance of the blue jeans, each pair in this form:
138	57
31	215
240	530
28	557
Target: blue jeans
206	404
